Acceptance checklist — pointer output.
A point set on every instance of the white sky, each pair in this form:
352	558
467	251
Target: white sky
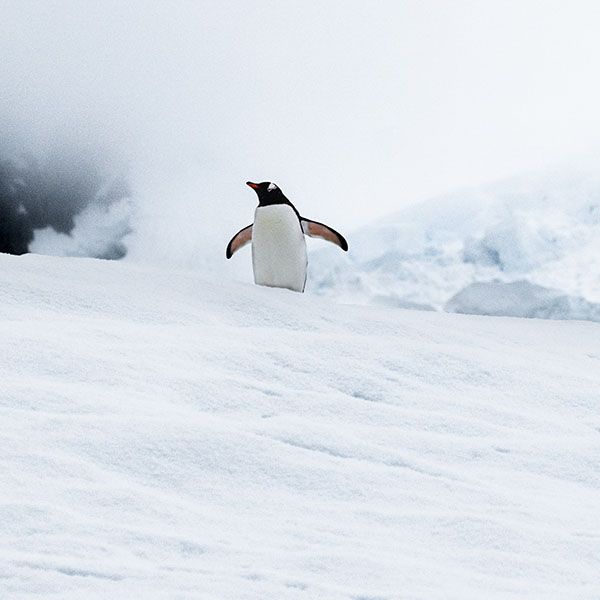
355	109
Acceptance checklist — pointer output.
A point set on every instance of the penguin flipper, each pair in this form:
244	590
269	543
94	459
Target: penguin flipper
315	229
239	240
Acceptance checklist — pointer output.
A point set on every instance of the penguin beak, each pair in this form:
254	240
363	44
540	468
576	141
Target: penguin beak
254	186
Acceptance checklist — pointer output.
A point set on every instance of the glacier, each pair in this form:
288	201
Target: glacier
542	229
169	435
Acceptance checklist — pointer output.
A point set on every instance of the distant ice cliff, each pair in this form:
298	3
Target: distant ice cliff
528	246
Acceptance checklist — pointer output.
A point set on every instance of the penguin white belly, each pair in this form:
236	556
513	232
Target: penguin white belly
278	248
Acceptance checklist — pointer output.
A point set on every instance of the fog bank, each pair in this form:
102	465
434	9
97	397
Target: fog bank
354	110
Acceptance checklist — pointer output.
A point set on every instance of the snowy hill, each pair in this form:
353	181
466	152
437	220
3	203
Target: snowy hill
165	436
538	233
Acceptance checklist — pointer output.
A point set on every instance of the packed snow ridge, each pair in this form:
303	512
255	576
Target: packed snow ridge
167	436
529	246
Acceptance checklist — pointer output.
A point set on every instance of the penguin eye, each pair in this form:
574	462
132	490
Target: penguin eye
271	187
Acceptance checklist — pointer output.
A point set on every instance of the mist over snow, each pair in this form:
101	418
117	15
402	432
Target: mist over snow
366	118
528	246
354	112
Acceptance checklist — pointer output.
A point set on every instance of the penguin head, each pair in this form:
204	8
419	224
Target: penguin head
268	193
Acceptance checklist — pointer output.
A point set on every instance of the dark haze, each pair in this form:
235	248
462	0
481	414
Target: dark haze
50	191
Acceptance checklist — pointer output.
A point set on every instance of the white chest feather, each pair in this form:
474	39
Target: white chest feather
278	248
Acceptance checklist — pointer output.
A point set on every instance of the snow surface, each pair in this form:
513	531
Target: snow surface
165	436
541	229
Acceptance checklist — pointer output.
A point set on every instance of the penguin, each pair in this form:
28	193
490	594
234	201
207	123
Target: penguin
277	235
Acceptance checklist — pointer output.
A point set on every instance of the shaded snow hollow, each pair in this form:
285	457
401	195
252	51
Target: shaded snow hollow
165	436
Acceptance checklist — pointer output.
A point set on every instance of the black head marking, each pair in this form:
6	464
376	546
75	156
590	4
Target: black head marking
268	193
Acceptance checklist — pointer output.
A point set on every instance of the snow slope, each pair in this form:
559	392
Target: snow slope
540	229
169	437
